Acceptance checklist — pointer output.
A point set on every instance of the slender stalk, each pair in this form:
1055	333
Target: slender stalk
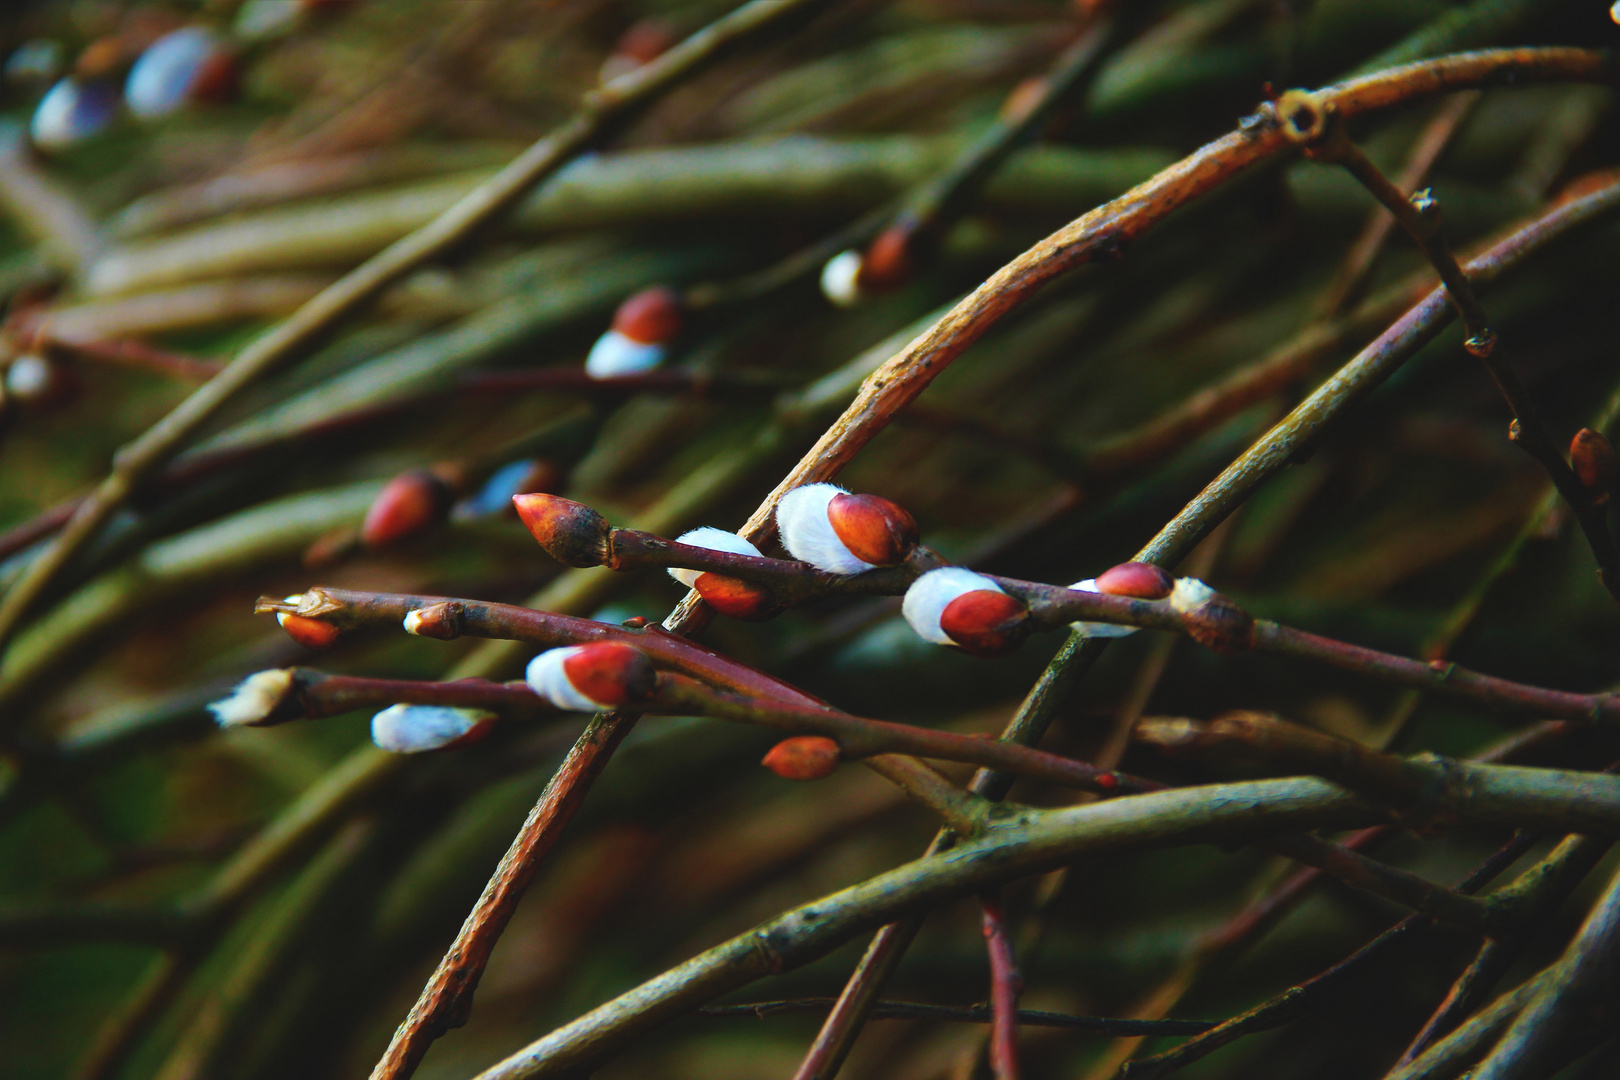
1324	138
1005	984
969	1014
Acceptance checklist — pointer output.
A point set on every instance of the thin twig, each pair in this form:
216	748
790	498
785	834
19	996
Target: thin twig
967	1014
1005	985
1318	129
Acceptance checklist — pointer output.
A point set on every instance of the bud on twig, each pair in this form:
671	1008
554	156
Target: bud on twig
187	65
71	111
441	621
571	532
408	504
259	699
585	678
953	606
803	757
1211	619
416	729
638	341
1143	581
308	632
851	276
728	595
643	42
840	533
1592	458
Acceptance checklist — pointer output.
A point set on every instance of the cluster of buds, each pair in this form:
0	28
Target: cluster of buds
841	533
639	339
588	678
728	595
888	262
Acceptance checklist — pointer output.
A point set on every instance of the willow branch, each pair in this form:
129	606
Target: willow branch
1319	130
601	109
967	1014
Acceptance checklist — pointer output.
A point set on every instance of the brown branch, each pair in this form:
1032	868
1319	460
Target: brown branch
128	352
1316	127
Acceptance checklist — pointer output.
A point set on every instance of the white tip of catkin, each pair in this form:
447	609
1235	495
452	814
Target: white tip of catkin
71	112
547	678
932	593
416	729
412	621
254	699
840	279
713	539
29	377
615	354
161	80
1190	593
807	533
1099	629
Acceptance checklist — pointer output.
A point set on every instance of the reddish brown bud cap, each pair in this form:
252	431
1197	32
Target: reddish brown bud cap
1221	625
218	79
310	633
986	623
611	673
803	757
409	504
651	317
1144	581
735	597
874	529
1592	458
571	532
645	40
888	262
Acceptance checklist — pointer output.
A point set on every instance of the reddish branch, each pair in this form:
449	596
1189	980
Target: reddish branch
1052	607
1005	985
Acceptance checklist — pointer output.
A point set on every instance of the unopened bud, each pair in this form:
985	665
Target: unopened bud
525	477
585	678
803	757
644	41
308	632
1211	619
714	540
259	699
888	262
986	623
1592	457
953	606
416	729
71	111
441	621
1143	581
736	598
571	532
190	64
840	533
638	341
410	503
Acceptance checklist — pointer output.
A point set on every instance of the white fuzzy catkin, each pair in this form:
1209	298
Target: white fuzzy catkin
1190	594
415	729
932	593
254	699
840	279
616	354
713	539
1099	629
807	533
162	79
547	678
